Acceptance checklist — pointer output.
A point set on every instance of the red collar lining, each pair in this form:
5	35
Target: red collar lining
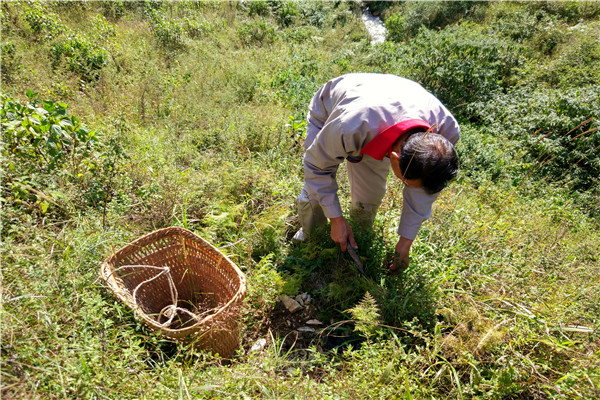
380	145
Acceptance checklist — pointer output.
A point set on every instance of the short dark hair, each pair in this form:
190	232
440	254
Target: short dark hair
431	158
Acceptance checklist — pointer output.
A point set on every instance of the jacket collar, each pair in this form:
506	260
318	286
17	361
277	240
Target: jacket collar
380	145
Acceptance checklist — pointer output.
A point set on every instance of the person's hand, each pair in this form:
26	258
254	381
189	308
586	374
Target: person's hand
400	259
341	232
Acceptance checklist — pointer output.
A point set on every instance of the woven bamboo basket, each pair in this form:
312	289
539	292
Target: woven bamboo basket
173	265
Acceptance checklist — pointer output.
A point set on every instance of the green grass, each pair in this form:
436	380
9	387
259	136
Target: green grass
203	131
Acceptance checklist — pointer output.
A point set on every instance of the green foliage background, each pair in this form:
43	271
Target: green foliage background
119	118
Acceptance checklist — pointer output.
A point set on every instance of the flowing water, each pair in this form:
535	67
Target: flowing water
374	26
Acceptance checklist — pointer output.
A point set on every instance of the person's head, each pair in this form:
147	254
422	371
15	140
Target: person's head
424	160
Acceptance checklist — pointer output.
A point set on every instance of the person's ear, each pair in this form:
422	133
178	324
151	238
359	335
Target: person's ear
395	155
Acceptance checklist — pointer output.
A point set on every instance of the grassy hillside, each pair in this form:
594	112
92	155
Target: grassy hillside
120	118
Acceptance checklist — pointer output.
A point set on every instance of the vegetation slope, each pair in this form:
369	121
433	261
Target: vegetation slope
120	118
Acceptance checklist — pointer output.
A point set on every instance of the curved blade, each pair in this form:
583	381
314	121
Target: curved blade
355	257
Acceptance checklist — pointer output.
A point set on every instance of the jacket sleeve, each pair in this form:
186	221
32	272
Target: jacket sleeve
321	162
416	208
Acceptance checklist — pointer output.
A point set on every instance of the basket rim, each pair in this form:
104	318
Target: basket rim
106	272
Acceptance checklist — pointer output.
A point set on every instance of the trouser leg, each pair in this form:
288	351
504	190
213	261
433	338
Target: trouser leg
310	212
368	180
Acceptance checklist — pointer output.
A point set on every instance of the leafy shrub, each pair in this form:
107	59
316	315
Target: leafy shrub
44	24
570	11
40	139
460	63
413	16
385	58
47	151
80	56
257	7
542	28
397	27
169	33
299	34
198	27
104	31
518	26
487	156
297	85
548	38
9	60
42	136
113	10
256	32
558	128
575	65
314	13
286	12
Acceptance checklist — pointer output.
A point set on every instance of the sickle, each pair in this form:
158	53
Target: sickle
355	257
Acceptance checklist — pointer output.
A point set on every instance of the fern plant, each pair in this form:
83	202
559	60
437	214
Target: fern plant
366	315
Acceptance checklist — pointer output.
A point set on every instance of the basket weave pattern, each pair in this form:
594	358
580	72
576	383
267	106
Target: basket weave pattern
207	284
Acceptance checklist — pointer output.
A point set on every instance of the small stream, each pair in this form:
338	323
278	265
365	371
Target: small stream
374	26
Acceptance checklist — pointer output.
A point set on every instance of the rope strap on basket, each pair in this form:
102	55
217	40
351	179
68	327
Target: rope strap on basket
169	311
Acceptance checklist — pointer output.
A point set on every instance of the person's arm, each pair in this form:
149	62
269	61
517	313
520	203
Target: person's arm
330	148
416	208
400	260
321	163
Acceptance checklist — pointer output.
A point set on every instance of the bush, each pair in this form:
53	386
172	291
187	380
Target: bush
460	64
286	12
314	13
570	11
436	15
256	7
169	33
558	129
518	26
113	10
41	137
39	140
487	156
46	152
80	56
196	28
297	84
9	61
45	25
397	28
256	32
104	31
575	65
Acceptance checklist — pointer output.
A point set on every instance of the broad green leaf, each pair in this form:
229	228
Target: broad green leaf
48	105
52	147
40	111
12	125
58	131
66	122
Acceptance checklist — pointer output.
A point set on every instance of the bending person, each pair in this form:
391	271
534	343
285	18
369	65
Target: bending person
375	121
